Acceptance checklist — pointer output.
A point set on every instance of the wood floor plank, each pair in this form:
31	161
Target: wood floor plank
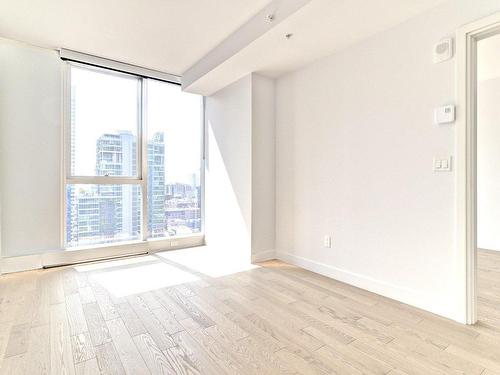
9	307
307	365
167	320
4	337
291	339
244	354
155	360
273	319
434	357
226	325
105	303
61	358
129	355
272	343
18	340
189	308
481	358
393	358
283	324
348	325
180	361
38	355
355	360
150	300
172	307
76	318
56	288
219	355
70	283
266	355
153	325
197	356
130	319
82	347
41	304
86	295
89	367
97	327
108	359
14	365
26	308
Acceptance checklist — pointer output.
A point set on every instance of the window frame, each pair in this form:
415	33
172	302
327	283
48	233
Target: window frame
140	179
103	180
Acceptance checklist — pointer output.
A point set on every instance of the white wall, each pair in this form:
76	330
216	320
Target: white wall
263	167
355	144
30	148
228	198
488	144
240	158
240	202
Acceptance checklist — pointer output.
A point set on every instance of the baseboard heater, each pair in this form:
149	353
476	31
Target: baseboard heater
95	260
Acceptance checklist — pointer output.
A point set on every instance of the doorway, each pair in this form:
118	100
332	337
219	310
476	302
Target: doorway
478	164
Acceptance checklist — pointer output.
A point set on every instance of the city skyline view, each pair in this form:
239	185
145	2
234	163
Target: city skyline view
104	141
104	102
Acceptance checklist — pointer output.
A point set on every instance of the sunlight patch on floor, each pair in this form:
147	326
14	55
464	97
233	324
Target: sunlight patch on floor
114	263
208	261
143	278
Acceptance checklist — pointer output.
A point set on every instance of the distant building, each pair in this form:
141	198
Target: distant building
105	213
178	190
71	202
156	186
109	213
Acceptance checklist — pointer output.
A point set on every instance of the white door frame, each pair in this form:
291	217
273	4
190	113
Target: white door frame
466	41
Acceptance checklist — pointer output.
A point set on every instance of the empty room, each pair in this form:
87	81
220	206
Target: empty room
250	187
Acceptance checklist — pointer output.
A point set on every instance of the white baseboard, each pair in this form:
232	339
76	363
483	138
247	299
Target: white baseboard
263	256
488	250
405	295
38	261
20	263
61	257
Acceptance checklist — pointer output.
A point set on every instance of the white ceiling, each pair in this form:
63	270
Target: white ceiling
166	35
172	35
319	28
323	27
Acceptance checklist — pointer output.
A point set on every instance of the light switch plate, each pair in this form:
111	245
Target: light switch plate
327	241
442	164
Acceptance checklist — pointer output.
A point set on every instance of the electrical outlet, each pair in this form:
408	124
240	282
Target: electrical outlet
327	241
174	243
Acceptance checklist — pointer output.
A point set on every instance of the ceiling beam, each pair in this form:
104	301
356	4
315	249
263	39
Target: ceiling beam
260	24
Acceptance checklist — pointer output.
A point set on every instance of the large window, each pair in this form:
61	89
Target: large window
133	158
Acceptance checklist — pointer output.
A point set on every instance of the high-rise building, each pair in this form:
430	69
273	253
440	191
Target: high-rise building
103	212
71	200
116	156
156	186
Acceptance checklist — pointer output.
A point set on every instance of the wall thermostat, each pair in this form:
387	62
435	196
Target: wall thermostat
443	50
444	114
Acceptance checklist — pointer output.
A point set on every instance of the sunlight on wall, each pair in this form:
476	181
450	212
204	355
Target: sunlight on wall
227	231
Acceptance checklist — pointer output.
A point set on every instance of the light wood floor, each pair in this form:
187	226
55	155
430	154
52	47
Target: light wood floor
109	318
